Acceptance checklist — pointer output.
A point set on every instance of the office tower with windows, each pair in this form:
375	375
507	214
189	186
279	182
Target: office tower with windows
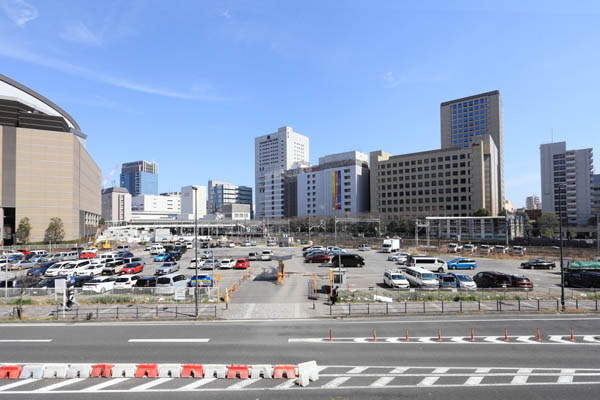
570	172
465	120
140	177
533	202
221	193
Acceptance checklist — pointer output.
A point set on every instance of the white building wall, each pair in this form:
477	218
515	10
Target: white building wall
188	199
157	203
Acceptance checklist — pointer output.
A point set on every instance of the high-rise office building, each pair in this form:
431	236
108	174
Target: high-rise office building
140	177
273	155
567	182
464	120
221	193
116	204
533	202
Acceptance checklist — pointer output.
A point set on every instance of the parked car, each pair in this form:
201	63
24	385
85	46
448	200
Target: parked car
242	263
421	278
462	263
319	257
538	263
132	268
55	268
364	247
271	243
469	248
211	264
124	254
87	254
520	281
426	262
499	249
464	281
46	283
200	281
484	249
582	279
21	264
167	268
206	254
92	270
99	285
40	270
348	260
454	248
447	281
487	279
253	256
309	249
193	262
266	255
162	257
395	279
334	251
168	283
518	250
174	256
126	281
73	268
113	267
246	243
146	281
227	263
397	256
79	281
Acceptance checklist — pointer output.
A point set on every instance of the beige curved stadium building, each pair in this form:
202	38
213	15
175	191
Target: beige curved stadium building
45	169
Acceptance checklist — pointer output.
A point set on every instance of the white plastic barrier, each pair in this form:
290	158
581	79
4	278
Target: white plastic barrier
215	371
124	370
35	371
265	369
169	370
58	371
79	370
307	372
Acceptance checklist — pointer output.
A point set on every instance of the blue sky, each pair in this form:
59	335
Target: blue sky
189	84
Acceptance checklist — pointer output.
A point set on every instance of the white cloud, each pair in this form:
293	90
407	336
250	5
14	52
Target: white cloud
19	11
226	14
390	80
196	92
80	33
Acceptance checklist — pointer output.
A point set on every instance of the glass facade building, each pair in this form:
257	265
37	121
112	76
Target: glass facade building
140	177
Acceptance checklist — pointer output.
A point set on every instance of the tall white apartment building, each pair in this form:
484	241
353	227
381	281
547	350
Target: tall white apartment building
338	185
193	201
154	203
533	202
569	171
273	155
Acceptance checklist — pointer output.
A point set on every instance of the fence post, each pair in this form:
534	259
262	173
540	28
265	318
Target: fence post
56	305
500	305
97	314
423	306
519	302
117	312
442	306
137	312
215	311
461	306
405	307
538	301
596	303
156	311
175	312
386	308
349	308
330	308
577	304
479	304
77	314
368	308
556	305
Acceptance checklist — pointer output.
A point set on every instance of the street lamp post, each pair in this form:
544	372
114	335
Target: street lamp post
562	270
194	188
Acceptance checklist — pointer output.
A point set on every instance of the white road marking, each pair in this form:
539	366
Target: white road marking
440	370
381	382
59	385
399	370
242	384
152	383
335	382
590	338
25	340
285	385
474	380
168	340
357	370
568	377
522	377
482	370
17	384
197	384
103	385
459	339
527	339
428	381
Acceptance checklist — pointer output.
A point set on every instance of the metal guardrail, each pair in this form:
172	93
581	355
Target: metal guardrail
136	312
52	294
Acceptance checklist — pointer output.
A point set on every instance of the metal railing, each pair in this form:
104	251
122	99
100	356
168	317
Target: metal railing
136	312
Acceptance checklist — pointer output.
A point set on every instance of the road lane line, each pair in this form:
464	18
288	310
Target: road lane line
527	339
59	385
25	340
285	385
474	380
335	382
242	384
428	381
103	385
589	338
399	370
357	370
381	382
482	370
17	384
440	370
152	383
168	340
522	377
568	377
197	384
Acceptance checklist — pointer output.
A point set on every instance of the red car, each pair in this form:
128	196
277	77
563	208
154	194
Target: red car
242	263
521	281
87	254
319	257
132	268
24	251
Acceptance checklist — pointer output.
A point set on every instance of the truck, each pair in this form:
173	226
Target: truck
390	245
583	265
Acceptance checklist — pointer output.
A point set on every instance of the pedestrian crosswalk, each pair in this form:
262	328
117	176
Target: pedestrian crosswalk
333	378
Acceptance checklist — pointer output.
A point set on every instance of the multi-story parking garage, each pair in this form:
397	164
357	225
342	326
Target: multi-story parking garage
45	169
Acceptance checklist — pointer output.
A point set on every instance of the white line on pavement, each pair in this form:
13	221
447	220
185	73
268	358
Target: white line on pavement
335	382
197	384
168	340
285	385
382	381
428	381
152	383
399	370
522	377
242	384
25	340
440	370
357	370
103	385
568	377
59	385
17	384
474	380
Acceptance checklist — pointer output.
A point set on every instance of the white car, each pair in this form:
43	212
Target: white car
246	243
364	247
227	263
92	270
469	248
230	244
206	254
189	245
464	281
271	243
74	268
395	279
266	255
126	281
99	285
397	256
454	248
55	269
200	263
208	264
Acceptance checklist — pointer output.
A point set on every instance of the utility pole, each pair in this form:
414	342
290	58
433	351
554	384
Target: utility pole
195	200
416	233
598	233
506	221
562	270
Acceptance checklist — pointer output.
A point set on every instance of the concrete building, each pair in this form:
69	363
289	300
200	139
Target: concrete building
154	203
338	185
454	181
274	154
193	201
533	203
221	193
236	211
596	195
140	177
463	120
572	171
45	169
116	204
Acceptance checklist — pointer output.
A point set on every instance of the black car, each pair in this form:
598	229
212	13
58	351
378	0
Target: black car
538	263
348	260
486	279
124	254
204	245
174	255
81	280
146	281
582	279
213	245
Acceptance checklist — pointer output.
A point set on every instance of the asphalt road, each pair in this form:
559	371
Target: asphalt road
354	366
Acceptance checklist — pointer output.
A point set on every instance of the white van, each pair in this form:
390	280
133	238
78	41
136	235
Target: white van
430	263
70	256
74	267
105	257
157	249
421	278
124	247
167	284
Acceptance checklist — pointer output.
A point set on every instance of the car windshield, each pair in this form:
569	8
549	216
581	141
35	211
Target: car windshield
428	276
397	277
164	281
464	278
122	280
95	281
448	279
241	260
